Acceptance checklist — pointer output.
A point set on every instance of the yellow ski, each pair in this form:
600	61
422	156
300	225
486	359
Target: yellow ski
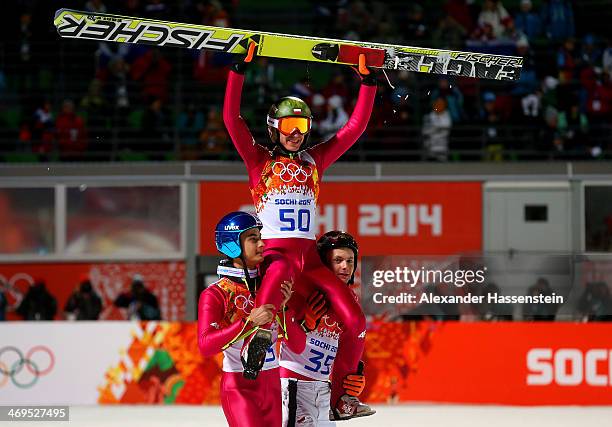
123	29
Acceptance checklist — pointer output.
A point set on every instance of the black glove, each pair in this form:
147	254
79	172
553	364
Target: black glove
367	74
243	61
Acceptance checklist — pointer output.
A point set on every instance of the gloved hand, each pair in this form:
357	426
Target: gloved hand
355	383
316	307
241	64
367	74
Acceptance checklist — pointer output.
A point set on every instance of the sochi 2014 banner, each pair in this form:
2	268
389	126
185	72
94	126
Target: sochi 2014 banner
159	363
387	218
166	280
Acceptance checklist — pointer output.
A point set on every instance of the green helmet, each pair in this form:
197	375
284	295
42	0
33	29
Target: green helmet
289	106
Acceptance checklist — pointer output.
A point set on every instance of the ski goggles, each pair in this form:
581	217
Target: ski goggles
287	125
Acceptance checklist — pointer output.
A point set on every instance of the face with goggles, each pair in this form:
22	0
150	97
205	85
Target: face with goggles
291	131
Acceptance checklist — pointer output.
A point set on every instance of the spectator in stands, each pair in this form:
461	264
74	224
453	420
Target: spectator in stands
189	125
325	18
3	303
453	97
43	130
106	52
528	21
38	303
385	29
436	131
511	34
530	119
156	9
607	57
141	304
448	33
430	310
116	85
318	107
71	132
267	87
130	8
573	127
558	19
492	14
483	34
155	128
416	29
95	6
550	142
599	99
540	311
567	59
27	71
528	82
96	109
84	303
356	21
214	138
25	137
337	86
302	89
493	132
595	304
462	12
493	311
590	53
153	71
214	14
336	117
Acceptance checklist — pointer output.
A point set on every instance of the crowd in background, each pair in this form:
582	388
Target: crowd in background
139	303
78	100
38	302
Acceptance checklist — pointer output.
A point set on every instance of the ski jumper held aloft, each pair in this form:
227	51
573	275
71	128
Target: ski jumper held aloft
285	188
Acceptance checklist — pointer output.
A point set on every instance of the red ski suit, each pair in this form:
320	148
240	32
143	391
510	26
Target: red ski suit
279	180
222	308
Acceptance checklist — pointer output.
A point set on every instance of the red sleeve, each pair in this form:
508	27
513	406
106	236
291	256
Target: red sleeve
211	309
295	333
331	150
252	155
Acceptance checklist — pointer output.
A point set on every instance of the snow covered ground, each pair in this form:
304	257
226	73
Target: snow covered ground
387	416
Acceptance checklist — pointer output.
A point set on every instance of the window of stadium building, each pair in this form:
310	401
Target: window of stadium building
135	220
27	221
598	218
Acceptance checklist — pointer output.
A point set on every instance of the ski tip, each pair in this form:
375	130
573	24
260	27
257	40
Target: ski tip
58	12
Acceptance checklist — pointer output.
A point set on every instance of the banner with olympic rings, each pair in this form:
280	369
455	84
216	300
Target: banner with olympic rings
511	363
386	218
58	363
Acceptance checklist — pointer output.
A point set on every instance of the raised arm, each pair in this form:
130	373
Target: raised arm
252	155
328	152
211	337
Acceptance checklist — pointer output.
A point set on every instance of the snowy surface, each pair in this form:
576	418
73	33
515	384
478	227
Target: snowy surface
408	415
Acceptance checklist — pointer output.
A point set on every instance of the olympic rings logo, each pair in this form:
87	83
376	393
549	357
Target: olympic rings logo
12	363
243	303
291	171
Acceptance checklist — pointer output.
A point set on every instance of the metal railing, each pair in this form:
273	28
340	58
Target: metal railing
401	143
